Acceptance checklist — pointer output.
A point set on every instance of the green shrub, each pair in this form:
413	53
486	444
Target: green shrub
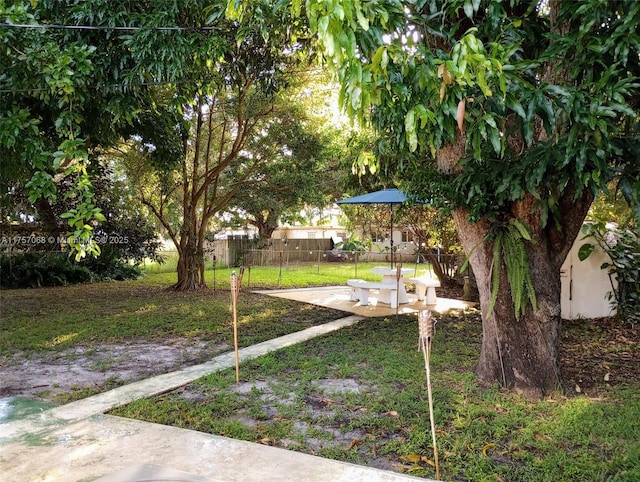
38	269
110	266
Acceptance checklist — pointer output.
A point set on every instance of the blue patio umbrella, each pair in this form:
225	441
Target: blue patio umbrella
390	197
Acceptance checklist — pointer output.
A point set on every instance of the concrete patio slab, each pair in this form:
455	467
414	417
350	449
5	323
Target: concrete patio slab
339	298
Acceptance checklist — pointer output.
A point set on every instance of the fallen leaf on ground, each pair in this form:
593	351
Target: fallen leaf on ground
427	461
412	458
353	443
487	447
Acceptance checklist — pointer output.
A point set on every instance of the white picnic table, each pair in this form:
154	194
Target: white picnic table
391	289
390	276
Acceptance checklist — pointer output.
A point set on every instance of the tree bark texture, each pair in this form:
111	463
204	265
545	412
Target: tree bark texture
522	353
48	218
434	260
190	267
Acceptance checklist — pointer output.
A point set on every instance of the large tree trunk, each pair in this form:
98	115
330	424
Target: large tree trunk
190	269
190	264
522	353
519	354
266	223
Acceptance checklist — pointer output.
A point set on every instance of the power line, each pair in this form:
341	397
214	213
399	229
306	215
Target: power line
103	28
125	86
108	86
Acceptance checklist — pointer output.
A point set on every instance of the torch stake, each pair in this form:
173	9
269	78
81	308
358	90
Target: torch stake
426	327
234	304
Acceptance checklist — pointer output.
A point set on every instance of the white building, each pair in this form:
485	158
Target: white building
584	286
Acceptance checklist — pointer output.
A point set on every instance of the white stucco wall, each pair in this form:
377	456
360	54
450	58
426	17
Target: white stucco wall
584	286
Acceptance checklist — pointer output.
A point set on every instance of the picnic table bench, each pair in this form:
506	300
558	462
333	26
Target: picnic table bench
425	288
388	292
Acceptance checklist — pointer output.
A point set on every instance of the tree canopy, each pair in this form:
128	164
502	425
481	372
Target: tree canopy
78	78
301	151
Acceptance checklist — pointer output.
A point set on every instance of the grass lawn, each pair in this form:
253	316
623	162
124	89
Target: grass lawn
358	394
60	317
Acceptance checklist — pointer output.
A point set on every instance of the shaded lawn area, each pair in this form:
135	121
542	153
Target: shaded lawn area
55	318
359	395
61	344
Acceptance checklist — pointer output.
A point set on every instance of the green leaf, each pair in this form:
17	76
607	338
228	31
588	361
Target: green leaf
522	229
494	137
585	250
323	24
488	118
362	20
468	8
514	104
480	78
356	98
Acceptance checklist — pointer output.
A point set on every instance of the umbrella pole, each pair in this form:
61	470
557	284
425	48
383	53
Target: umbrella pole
391	228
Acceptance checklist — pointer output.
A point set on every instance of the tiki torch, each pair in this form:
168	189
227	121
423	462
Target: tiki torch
426	328
234	306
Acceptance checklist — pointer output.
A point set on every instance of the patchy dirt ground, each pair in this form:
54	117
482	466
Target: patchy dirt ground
319	406
51	375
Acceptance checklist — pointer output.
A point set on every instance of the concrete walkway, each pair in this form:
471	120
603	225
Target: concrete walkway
77	442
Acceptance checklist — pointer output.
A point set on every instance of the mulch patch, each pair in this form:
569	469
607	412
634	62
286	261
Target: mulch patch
595	354
598	353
